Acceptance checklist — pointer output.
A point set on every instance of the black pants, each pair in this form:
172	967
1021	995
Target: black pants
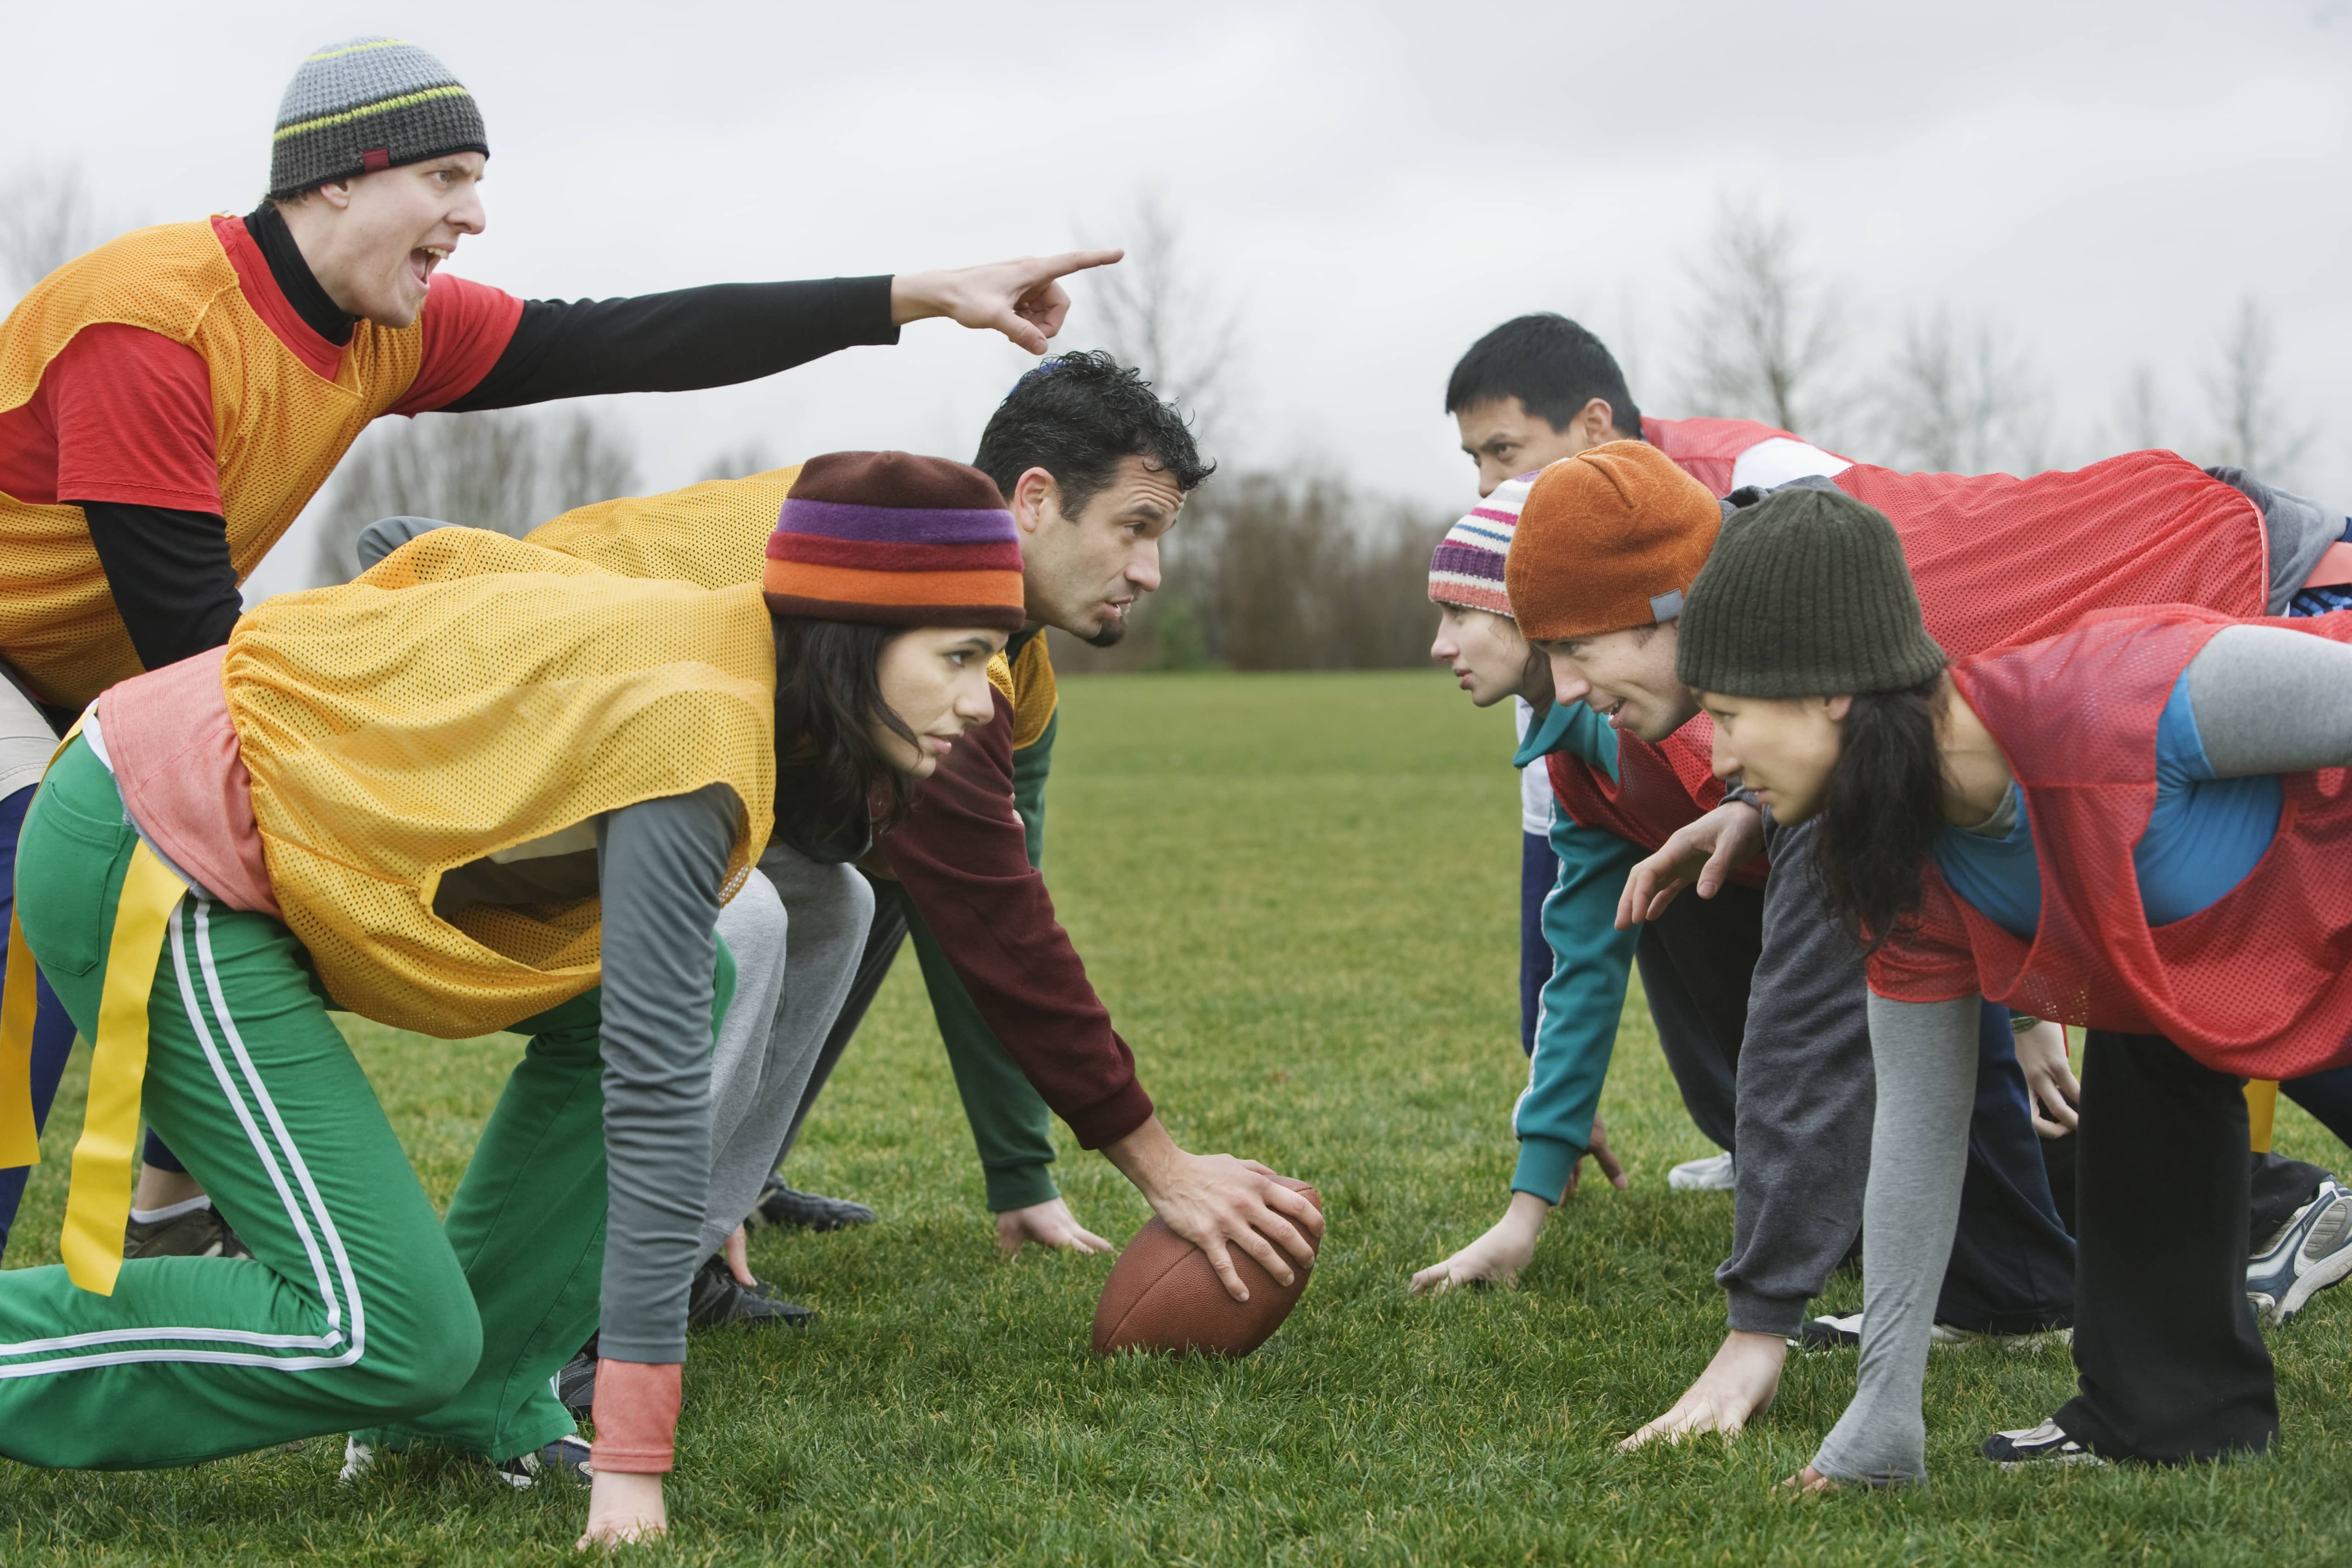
2171	1365
1682	956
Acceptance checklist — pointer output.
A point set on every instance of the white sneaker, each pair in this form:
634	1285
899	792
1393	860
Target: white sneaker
2312	1252
357	1457
1712	1175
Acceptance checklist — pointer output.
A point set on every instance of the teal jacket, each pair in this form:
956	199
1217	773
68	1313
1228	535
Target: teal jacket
1576	1025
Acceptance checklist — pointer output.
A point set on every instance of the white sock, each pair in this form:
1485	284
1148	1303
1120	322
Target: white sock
172	1211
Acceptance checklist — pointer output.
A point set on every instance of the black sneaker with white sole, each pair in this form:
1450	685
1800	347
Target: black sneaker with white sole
715	1298
566	1456
2044	1445
575	1383
1827	1333
787	1206
198	1233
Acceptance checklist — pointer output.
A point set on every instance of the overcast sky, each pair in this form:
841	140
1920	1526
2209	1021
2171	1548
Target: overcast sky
1370	186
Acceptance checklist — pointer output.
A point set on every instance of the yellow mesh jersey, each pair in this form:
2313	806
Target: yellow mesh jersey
716	534
278	428
397	726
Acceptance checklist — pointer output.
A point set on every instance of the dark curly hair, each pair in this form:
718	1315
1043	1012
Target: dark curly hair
1077	416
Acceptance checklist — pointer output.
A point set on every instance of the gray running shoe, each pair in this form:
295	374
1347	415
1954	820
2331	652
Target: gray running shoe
1713	1174
199	1233
2312	1252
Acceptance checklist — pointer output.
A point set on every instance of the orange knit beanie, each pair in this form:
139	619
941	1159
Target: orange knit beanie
1609	539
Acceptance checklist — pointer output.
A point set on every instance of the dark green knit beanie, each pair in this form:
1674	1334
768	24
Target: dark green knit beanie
1806	595
366	104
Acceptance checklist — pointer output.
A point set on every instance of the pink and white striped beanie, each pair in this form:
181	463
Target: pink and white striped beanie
1467	569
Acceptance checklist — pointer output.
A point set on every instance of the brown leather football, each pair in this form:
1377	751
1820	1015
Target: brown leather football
1163	1295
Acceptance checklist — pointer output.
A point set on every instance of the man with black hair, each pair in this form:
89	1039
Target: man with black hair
1535	390
1095	468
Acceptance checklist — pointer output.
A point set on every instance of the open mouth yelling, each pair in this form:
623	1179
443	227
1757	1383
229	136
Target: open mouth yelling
422	261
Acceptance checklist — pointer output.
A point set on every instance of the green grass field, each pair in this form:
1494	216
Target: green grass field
1298	896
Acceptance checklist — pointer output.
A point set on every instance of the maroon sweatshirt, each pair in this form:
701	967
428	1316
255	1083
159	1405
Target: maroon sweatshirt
963	859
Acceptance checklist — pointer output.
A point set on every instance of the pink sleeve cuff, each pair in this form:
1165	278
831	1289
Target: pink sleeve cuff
635	1417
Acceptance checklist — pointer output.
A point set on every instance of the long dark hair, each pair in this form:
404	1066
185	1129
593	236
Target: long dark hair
1881	809
835	785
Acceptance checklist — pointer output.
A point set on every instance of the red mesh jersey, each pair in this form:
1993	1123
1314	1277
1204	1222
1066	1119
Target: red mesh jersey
1707	449
1998	560
2258	983
1657	789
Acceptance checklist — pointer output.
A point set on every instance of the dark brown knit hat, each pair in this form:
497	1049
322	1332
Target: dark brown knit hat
1609	539
898	539
1807	594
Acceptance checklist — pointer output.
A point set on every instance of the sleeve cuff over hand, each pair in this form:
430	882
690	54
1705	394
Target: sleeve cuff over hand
1545	1164
637	1416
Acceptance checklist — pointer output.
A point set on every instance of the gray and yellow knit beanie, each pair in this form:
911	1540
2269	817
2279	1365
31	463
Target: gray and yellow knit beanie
368	104
1806	595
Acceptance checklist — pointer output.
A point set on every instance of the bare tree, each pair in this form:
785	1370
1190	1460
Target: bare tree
46	219
1155	313
2140	412
1767	336
753	456
1960	401
508	470
2256	434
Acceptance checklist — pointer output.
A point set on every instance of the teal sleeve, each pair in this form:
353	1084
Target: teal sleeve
1576	1027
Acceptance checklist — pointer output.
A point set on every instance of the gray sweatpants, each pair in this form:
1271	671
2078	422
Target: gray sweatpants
796	931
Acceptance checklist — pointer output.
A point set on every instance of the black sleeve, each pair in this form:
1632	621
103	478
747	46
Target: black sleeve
715	336
170	575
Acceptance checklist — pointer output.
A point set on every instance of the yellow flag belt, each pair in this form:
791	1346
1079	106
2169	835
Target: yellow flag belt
98	1202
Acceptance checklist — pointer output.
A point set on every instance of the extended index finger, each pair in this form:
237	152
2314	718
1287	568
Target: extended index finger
1071	261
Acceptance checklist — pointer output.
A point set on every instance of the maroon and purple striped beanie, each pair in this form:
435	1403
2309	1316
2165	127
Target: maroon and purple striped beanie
1467	569
893	539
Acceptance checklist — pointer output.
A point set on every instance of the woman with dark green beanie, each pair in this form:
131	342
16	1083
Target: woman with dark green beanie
2127	826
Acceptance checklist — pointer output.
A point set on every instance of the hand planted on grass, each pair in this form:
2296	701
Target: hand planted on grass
1702	853
1218	1203
738	1250
1495	1257
1021	299
1737	1386
1602	1156
1047	1224
2049	1080
1809	1479
623	1509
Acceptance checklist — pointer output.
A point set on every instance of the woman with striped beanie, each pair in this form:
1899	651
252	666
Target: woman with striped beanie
513	799
1478	641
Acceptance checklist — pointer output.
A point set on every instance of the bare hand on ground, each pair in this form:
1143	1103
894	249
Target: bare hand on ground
1495	1257
1602	1156
1218	1203
1809	1479
1702	853
1737	1386
1021	299
2050	1088
1048	1224
623	1509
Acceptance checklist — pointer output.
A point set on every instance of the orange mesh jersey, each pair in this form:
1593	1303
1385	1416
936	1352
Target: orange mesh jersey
468	694
716	534
279	429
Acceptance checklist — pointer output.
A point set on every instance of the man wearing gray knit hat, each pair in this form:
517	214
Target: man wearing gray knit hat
369	104
173	400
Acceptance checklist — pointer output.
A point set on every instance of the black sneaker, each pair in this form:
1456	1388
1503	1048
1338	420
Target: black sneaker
2044	1445
715	1298
575	1383
566	1456
789	1207
199	1233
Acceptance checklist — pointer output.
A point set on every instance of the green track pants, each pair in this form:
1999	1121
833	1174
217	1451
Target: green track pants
359	1309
